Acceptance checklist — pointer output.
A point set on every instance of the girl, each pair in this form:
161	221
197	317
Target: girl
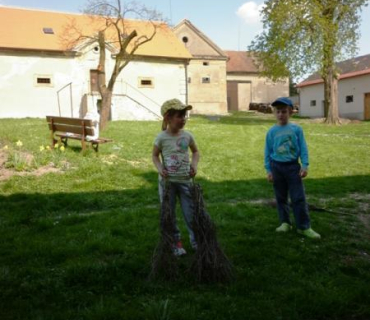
173	145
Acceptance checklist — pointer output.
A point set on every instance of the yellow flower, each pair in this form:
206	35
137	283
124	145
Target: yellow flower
19	143
42	148
62	148
47	148
56	146
6	148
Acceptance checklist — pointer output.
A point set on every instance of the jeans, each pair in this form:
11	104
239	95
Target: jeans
287	179
183	192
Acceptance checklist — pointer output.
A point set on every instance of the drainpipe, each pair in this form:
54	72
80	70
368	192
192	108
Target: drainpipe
186	82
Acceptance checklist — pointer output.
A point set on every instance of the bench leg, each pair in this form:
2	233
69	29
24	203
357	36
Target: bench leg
64	141
95	146
53	140
83	144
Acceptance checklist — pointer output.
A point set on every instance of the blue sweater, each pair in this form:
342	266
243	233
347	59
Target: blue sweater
284	144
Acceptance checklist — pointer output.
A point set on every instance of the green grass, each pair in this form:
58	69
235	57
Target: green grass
77	244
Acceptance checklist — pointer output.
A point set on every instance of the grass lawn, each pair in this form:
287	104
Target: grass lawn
77	231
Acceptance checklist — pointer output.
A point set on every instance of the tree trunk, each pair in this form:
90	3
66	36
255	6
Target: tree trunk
333	112
329	70
106	95
326	97
106	108
331	98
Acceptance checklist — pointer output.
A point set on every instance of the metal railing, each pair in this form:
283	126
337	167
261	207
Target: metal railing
70	97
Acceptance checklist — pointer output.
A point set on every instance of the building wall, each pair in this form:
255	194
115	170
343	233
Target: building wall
207	97
193	42
308	94
356	87
262	89
21	96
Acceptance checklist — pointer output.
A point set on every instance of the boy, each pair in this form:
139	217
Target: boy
285	145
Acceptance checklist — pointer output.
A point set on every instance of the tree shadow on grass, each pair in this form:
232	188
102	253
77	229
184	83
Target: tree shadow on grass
222	191
65	253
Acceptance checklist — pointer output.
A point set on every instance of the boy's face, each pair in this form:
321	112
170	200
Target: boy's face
282	114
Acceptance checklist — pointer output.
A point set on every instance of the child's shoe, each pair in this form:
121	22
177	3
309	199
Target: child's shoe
178	250
309	233
285	227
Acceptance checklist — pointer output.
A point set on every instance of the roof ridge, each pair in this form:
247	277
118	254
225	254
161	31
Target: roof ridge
40	10
70	13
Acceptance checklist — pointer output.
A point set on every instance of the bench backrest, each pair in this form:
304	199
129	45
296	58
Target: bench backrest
72	125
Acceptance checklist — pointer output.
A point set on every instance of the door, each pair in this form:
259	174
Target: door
94	81
367	106
232	96
244	96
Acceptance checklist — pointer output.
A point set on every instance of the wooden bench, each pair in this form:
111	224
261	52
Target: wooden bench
73	128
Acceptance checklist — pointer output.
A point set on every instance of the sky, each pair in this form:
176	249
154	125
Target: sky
231	24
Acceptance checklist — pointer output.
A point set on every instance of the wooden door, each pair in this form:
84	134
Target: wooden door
232	96
94	81
367	106
244	96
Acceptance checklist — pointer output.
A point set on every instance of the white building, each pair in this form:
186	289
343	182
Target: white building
39	76
353	91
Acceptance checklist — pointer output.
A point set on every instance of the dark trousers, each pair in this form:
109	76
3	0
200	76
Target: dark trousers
287	179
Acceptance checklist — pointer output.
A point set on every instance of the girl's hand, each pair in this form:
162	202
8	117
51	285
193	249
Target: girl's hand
269	177
163	172
193	171
303	173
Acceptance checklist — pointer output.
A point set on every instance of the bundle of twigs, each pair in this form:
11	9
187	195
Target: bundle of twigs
164	264
210	263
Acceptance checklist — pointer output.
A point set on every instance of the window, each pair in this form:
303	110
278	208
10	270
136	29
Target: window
349	99
43	81
48	30
185	39
206	80
146	83
206	63
313	103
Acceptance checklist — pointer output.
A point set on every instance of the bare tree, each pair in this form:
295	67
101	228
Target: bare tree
115	29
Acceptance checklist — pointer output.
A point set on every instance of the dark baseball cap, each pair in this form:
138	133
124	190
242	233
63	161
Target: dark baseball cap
282	101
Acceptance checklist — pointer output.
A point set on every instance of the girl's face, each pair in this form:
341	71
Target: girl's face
177	120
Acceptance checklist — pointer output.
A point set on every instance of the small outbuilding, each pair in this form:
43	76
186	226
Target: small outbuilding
245	85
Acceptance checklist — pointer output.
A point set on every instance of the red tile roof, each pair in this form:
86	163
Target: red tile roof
240	61
23	29
348	69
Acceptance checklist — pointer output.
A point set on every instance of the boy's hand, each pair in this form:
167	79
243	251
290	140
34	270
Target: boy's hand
303	173
193	171
269	177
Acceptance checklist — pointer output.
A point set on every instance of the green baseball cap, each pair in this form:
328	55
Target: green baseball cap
174	104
